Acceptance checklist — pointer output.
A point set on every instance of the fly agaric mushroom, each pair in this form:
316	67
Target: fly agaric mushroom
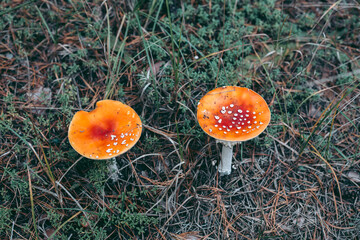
232	115
111	129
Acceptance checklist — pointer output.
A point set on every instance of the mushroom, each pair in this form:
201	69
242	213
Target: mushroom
111	129
232	115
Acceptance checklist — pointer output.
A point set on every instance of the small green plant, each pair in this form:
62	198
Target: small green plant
17	183
98	175
128	215
54	218
5	221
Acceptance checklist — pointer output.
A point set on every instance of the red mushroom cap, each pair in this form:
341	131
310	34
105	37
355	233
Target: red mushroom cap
111	129
233	114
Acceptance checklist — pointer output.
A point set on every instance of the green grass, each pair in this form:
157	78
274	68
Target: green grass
299	179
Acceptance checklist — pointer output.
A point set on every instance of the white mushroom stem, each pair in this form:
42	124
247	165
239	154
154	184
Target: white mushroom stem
113	170
226	157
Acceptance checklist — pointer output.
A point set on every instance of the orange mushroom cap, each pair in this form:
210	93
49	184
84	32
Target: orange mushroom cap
233	114
111	129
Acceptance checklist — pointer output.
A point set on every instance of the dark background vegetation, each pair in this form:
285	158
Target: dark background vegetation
298	180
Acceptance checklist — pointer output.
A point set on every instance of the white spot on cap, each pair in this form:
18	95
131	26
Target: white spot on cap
220	129
247	111
115	143
234	118
117	151
246	115
97	156
236	132
123	142
255	122
254	117
257	126
238	127
229	112
241	115
249	126
225	132
210	130
240	111
248	121
261	123
217	117
109	150
220	120
254	112
223	111
108	145
235	114
231	105
216	125
228	130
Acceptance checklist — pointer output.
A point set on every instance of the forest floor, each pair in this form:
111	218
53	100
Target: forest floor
299	179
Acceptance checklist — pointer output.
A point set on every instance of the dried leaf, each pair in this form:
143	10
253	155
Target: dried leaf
39	97
187	236
354	176
155	69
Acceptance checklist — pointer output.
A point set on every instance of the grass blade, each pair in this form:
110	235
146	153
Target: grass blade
46	25
32	205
